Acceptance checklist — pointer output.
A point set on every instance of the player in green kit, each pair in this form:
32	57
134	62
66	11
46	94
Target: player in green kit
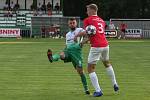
72	52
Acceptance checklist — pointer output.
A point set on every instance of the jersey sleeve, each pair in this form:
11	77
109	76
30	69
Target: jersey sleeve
81	30
78	30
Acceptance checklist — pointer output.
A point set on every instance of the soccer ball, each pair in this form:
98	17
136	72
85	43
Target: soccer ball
90	30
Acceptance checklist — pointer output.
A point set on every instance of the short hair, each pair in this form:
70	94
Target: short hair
72	18
92	6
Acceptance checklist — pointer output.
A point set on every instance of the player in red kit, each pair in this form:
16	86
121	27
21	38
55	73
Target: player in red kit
99	49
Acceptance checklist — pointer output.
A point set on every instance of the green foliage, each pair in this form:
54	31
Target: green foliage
122	8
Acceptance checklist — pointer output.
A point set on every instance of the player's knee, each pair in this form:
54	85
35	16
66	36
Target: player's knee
80	71
106	63
62	56
91	68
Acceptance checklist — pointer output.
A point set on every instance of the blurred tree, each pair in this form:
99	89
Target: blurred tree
115	8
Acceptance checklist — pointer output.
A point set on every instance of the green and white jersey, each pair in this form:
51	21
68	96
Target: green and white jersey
71	34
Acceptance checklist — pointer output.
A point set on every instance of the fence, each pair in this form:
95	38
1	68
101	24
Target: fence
133	25
48	24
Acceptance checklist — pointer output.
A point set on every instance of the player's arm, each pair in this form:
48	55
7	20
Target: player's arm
80	34
83	33
86	39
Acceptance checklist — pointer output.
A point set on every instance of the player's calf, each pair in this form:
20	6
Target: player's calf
83	79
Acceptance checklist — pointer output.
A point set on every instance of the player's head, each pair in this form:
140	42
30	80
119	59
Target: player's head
92	9
72	23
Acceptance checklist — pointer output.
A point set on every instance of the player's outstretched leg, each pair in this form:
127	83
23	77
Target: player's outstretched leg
52	57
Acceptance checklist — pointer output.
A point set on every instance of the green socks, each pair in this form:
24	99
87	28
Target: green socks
56	57
84	82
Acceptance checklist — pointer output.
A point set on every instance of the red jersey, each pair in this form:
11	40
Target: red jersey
123	27
99	39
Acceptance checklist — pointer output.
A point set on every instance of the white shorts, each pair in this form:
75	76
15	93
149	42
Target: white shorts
98	53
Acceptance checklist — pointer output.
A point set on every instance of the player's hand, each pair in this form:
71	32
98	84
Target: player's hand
81	44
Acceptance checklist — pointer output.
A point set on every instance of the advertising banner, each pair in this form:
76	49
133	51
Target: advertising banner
9	32
133	33
111	33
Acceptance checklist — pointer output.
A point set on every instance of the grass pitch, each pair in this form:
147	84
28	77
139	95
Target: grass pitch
26	74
